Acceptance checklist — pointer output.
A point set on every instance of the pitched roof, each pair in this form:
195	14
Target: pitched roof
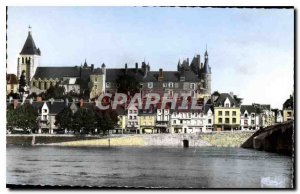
11	79
223	96
249	108
289	103
56	72
29	47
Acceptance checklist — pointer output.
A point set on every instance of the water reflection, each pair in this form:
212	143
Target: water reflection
205	167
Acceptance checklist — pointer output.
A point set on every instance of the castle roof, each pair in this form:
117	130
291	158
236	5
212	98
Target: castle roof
29	47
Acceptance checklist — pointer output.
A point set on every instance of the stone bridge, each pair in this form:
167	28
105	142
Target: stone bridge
277	138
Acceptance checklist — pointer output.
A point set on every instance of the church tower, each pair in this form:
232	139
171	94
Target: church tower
29	57
206	75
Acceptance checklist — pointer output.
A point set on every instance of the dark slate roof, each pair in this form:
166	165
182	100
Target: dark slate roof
289	103
29	47
56	107
206	107
11	79
249	108
56	72
223	96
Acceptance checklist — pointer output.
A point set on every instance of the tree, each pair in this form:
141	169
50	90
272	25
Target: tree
106	120
64	119
84	121
56	92
128	84
23	117
10	118
22	82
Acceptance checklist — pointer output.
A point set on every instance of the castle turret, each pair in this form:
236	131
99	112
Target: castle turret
28	59
206	75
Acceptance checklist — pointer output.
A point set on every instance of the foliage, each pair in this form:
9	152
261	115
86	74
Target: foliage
13	95
128	84
22	82
55	92
106	119
23	117
64	119
84	121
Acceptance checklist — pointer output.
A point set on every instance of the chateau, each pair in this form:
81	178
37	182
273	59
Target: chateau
193	78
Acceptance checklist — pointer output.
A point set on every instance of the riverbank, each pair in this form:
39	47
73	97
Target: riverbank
216	139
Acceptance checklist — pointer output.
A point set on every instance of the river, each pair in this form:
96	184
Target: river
204	167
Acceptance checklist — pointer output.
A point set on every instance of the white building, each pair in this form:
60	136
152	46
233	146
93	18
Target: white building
132	125
278	114
250	119
191	121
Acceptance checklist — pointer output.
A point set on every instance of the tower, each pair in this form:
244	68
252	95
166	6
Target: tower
205	75
29	57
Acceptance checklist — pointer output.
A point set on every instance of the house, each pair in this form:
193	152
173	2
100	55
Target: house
11	84
249	117
132	125
288	109
147	120
226	112
266	116
278	115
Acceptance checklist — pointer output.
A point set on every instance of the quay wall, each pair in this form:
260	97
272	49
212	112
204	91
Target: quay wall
218	139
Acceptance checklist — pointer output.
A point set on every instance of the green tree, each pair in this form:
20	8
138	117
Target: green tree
56	92
25	117
64	119
106	120
84	121
128	84
22	82
11	118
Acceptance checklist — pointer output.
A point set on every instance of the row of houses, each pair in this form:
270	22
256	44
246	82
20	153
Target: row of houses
222	112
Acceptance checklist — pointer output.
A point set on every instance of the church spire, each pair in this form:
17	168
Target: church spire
29	47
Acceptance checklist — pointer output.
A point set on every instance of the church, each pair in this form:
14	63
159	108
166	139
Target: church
192	77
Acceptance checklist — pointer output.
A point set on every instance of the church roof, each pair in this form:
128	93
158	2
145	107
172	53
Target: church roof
29	47
56	72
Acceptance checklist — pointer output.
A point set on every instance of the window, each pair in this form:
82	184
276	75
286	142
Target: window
174	121
96	79
136	123
165	85
209	121
233	113
150	84
134	117
246	115
227	120
135	111
171	84
171	92
233	120
220	113
252	122
289	114
44	110
220	120
226	113
227	105
130	117
180	121
130	111
192	86
107	84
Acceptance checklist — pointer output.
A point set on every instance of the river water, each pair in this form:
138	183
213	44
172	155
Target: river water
204	167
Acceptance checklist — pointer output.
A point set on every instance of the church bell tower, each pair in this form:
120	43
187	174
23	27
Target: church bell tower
29	57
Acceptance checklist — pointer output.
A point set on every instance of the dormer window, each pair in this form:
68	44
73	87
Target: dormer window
246	115
227	105
171	84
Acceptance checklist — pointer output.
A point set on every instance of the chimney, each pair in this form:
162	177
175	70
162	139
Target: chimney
51	101
136	67
81	103
201	66
161	75
15	104
39	99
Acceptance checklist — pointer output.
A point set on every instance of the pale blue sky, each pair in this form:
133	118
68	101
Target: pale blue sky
250	50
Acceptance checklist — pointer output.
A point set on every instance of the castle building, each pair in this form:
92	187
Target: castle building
190	78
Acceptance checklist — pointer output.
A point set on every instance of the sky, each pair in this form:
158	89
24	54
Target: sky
251	51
